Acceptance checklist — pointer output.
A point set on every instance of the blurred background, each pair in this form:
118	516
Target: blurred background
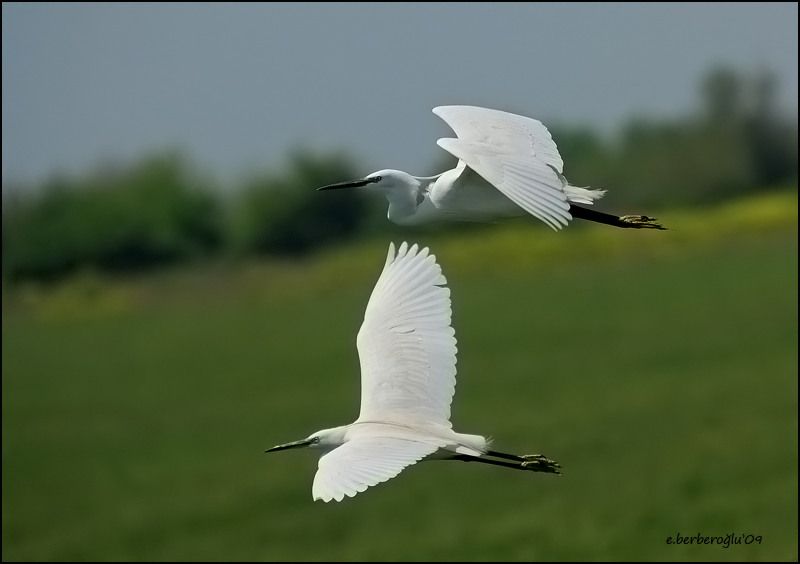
177	297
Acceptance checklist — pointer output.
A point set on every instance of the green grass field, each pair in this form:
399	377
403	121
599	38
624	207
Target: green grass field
659	368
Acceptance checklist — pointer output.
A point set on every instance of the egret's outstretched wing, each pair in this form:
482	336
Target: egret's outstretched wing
406	345
364	462
515	154
510	133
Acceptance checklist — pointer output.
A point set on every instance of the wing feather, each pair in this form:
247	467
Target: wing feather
516	154
406	344
364	462
509	132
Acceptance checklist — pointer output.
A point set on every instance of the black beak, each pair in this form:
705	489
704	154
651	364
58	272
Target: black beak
296	444
349	184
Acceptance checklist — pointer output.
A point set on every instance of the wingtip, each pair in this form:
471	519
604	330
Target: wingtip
439	111
413	250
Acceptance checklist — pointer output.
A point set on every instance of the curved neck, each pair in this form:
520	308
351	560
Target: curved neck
401	207
403	200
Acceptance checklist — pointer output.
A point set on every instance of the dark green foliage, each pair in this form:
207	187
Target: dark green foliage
150	214
283	214
737	143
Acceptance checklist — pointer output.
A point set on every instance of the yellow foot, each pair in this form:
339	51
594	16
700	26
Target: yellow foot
540	463
641	221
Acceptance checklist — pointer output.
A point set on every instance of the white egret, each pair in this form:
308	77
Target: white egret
508	166
407	349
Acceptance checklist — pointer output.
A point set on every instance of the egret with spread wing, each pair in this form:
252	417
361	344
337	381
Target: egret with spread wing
407	349
508	166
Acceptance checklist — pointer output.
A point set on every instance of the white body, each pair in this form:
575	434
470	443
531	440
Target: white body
456	195
407	349
508	166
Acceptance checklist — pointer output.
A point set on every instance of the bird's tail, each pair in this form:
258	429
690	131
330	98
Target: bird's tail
475	445
579	195
624	221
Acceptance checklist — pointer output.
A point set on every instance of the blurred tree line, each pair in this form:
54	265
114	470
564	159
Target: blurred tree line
735	142
160	210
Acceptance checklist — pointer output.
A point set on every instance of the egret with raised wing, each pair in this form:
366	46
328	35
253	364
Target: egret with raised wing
508	166
407	349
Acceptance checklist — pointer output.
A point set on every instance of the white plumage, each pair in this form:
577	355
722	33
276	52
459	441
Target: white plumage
406	345
514	154
508	166
407	349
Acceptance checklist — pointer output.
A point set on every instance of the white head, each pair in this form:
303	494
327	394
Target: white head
385	181
325	439
400	188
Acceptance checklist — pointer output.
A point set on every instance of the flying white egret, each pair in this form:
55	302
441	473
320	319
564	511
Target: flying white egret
407	349
508	166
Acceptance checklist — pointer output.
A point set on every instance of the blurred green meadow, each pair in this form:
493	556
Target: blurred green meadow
659	368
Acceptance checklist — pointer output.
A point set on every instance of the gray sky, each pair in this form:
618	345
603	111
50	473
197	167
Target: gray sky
235	86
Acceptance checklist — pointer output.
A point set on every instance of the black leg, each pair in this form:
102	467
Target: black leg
470	458
528	460
538	464
629	221
507	456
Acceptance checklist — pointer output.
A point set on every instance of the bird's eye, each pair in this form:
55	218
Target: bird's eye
375	178
315	440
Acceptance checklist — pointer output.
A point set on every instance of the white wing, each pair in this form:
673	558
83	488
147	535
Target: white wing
364	462
406	345
516	154
510	132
